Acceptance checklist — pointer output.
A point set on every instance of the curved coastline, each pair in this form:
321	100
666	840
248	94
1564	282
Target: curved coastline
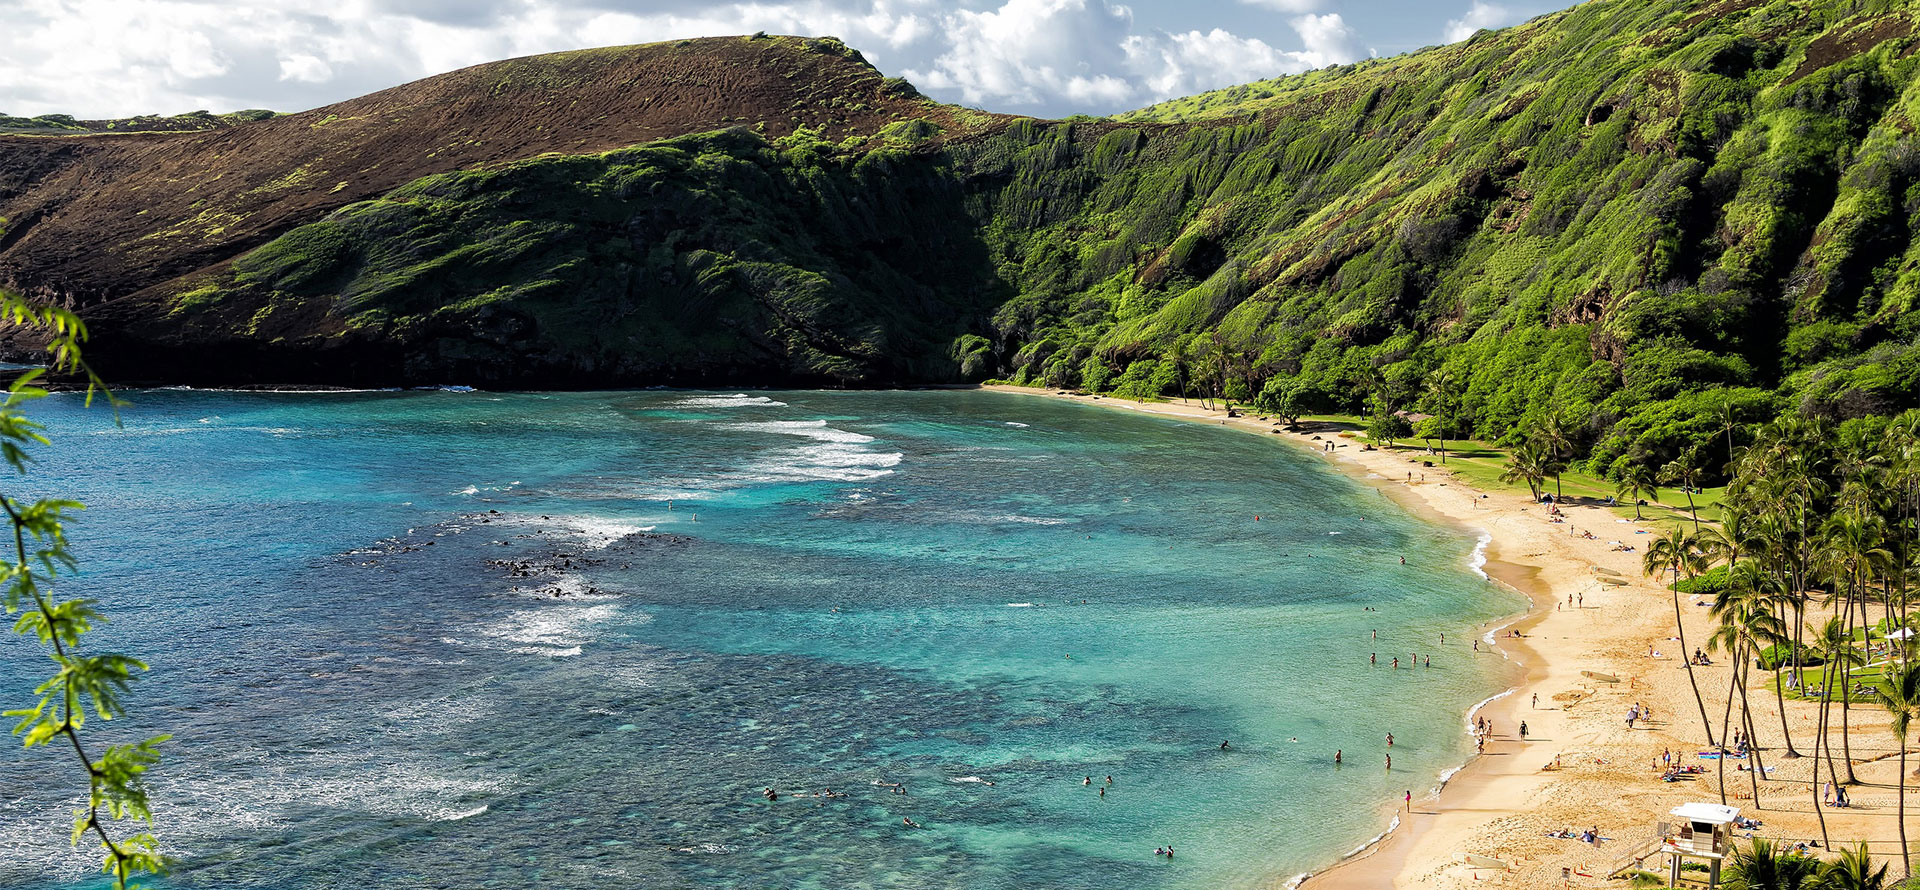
1383	859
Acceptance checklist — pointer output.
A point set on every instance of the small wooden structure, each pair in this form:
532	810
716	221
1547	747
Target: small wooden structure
1699	831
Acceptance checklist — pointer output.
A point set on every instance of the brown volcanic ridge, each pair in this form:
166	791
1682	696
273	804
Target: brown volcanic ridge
91	218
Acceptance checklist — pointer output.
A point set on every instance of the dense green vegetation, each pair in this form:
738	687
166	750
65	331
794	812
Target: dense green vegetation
714	256
1645	225
1817	553
1631	216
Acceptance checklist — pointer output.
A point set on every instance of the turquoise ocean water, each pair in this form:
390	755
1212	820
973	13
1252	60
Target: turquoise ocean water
471	640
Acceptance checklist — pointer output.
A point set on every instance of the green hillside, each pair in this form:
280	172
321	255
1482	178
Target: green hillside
1642	217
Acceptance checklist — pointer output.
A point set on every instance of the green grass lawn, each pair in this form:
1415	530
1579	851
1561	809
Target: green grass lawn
1481	465
1816	679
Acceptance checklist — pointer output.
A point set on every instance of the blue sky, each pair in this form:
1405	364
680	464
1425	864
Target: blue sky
109	58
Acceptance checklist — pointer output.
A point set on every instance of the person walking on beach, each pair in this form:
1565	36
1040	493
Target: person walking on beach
1389	761
1536	699
1409	801
1523	730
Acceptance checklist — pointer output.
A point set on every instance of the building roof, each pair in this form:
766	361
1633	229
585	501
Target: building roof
1706	812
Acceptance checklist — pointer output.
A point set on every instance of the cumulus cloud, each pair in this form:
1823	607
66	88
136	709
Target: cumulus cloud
1481	15
103	58
1286	5
1028	50
1328	40
1170	65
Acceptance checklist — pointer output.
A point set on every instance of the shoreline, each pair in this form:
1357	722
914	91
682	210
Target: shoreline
1392	845
1580	765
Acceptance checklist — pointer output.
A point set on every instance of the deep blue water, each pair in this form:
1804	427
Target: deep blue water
374	679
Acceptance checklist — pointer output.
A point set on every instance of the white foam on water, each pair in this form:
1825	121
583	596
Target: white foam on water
1477	561
1370	844
736	400
457	815
811	429
585	530
1019	605
600	533
1015	424
556	631
835	455
1475	710
709	848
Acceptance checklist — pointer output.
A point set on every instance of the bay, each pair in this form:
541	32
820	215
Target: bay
466	639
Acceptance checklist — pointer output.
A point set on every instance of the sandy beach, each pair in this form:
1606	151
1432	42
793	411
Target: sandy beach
1589	650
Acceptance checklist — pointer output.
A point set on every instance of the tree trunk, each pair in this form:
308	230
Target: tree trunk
1779	698
1755	769
1846	700
1906	858
1692	509
1687	658
1726	718
1820	732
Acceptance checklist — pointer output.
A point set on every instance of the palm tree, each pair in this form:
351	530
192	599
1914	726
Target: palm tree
1763	866
1440	386
1685	470
1677	551
1747	625
1634	483
1529	462
1556	433
1854	558
1899	693
1725	422
1834	643
1853	871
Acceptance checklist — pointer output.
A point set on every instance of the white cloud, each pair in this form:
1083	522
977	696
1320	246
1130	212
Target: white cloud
305	68
1170	65
105	58
1029	50
1285	5
1328	40
1481	15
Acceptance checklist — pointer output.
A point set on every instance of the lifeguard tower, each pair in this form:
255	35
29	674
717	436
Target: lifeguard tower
1698	831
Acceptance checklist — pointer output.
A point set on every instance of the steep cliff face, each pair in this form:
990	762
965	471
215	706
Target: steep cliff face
1633	213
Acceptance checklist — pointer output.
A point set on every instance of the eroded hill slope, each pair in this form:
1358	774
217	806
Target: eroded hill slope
1641	215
